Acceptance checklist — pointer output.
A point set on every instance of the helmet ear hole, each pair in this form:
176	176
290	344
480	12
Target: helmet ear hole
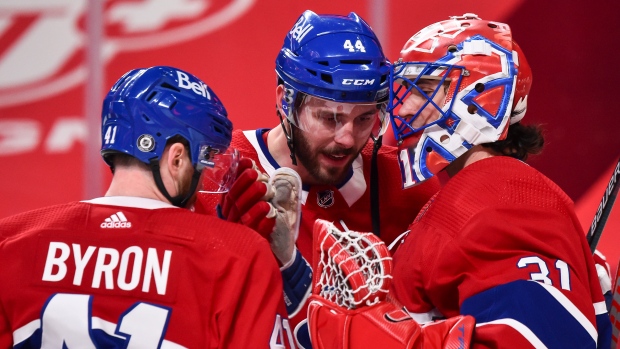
452	48
327	78
479	87
472	109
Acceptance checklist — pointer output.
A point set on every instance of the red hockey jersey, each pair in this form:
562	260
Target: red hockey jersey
501	242
123	272
348	203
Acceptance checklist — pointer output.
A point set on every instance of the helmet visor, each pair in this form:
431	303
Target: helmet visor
324	117
218	169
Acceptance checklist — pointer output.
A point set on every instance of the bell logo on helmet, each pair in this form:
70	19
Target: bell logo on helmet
358	82
198	88
300	29
146	143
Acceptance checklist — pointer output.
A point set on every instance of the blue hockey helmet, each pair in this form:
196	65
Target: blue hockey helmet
337	58
147	107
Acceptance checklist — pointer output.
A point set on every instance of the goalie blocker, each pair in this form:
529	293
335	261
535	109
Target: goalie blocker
349	308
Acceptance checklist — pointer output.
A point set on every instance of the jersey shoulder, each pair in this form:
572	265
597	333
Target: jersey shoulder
498	182
68	214
207	230
241	142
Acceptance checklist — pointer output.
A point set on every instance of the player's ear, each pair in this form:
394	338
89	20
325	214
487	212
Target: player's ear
279	95
177	156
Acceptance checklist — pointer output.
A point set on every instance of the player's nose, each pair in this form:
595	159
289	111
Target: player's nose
345	134
409	107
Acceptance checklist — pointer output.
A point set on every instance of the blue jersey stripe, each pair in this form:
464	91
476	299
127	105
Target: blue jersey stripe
543	310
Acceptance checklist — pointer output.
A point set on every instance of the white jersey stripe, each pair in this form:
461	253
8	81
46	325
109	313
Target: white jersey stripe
572	309
600	308
519	327
24	332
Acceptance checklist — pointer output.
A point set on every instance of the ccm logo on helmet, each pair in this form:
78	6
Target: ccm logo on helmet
358	82
198	88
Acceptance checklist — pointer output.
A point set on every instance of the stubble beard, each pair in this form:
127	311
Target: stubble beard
308	157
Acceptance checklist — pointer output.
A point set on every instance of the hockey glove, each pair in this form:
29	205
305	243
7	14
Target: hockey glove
271	206
383	325
286	184
247	200
348	308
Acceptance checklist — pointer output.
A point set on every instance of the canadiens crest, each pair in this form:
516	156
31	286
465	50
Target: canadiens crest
325	198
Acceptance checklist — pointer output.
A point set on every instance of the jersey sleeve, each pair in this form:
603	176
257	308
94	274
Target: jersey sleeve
543	283
6	339
528	285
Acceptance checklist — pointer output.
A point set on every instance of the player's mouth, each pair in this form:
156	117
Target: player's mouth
335	159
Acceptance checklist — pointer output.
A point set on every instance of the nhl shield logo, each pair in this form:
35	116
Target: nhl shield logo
325	198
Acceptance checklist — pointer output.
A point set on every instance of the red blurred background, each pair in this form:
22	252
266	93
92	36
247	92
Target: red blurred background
51	85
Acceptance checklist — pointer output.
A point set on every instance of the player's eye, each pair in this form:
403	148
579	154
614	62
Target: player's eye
326	116
365	119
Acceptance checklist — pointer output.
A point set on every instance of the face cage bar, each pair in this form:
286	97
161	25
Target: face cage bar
405	129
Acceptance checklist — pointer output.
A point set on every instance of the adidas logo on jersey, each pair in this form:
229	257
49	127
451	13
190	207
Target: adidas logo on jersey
117	220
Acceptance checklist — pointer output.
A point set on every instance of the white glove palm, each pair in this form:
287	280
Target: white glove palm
286	202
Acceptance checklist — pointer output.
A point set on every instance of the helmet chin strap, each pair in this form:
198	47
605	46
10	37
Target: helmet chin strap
179	200
374	187
289	138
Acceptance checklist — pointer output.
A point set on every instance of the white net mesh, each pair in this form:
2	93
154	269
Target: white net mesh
354	268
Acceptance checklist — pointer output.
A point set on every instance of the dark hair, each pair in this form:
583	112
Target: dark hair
180	139
521	141
118	159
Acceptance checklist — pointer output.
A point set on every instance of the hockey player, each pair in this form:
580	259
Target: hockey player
134	268
331	96
499	232
499	242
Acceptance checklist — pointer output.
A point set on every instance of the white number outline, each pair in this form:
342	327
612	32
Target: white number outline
405	164
143	325
543	274
110	138
359	46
